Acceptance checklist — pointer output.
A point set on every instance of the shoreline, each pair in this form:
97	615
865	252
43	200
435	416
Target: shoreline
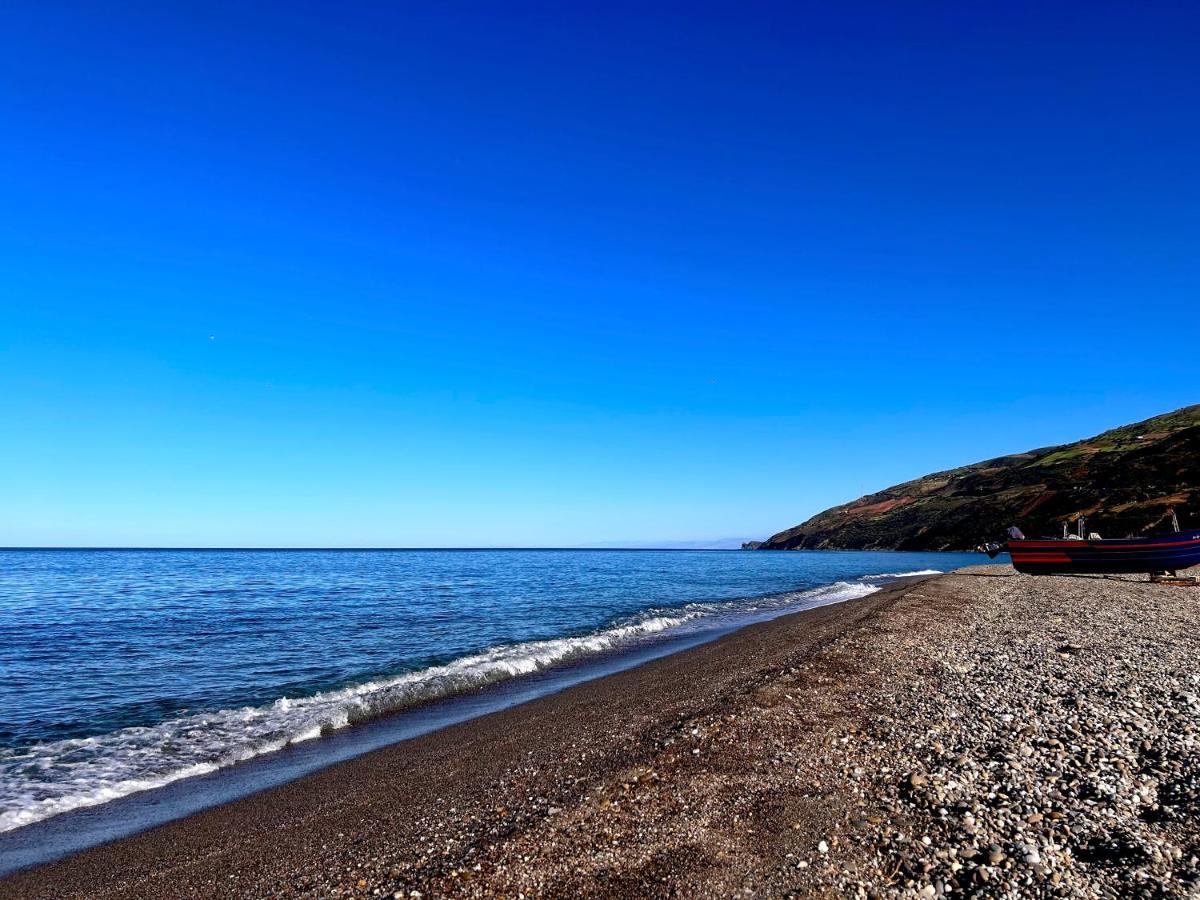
123	815
48	840
303	677
977	731
444	741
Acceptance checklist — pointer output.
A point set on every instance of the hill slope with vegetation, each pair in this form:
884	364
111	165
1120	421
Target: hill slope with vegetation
1125	481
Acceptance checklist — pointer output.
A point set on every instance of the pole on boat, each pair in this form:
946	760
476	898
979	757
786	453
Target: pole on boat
1080	524
1174	520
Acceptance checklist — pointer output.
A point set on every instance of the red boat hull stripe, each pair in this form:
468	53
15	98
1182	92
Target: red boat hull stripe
1096	545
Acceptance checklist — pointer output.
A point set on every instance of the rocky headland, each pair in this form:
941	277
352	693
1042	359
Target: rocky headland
1124	481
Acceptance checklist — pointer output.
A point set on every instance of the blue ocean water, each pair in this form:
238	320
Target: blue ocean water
125	670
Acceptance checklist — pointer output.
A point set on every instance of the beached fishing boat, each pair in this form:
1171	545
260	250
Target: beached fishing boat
1163	553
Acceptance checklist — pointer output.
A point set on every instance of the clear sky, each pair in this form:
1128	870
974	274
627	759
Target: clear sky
400	274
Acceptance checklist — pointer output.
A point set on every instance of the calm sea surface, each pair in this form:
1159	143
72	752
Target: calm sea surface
125	670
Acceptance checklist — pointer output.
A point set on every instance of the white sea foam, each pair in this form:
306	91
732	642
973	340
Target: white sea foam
52	778
884	576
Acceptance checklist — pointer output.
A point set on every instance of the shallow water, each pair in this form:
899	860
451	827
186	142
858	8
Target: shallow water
122	671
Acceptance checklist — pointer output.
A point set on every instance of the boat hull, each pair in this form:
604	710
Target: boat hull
1167	553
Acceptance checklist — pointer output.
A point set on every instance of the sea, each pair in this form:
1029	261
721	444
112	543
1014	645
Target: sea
124	671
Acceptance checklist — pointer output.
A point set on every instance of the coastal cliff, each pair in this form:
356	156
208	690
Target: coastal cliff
1125	481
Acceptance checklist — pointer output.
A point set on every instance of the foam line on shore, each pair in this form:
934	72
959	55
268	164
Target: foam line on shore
888	576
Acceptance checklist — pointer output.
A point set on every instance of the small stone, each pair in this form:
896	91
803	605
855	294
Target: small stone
822	847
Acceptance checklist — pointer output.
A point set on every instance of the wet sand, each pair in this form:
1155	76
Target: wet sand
974	733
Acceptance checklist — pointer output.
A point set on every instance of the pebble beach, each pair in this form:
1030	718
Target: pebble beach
974	734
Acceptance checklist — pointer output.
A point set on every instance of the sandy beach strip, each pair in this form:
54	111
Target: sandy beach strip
978	733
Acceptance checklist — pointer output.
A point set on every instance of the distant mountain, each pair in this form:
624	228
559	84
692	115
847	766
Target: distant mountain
1124	481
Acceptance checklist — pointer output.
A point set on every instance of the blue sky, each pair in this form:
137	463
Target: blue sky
371	275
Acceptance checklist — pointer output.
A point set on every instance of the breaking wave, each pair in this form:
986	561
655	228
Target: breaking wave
54	777
887	576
